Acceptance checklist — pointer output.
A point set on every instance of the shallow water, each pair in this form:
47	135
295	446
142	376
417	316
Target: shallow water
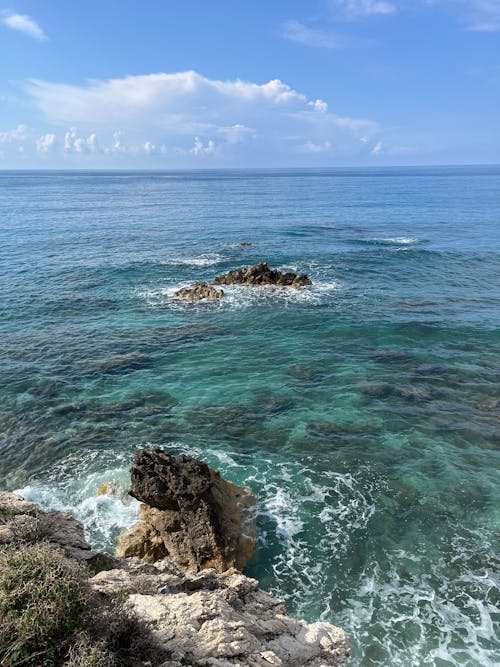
363	411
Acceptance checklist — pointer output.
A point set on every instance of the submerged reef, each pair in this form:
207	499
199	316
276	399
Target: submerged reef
184	601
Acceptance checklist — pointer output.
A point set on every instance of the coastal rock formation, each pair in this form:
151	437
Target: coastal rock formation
25	521
199	292
189	514
219	620
202	619
262	274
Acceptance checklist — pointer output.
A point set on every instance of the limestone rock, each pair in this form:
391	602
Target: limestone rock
219	620
262	274
199	292
190	514
24	520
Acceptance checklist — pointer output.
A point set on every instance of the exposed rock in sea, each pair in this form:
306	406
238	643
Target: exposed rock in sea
244	244
219	620
199	292
189	513
262	274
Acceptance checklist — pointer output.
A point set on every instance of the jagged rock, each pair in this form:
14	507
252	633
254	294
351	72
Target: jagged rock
244	244
262	274
199	292
24	520
190	514
219	620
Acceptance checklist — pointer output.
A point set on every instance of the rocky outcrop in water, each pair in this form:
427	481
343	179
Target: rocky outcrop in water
262	274
189	514
219	620
201	291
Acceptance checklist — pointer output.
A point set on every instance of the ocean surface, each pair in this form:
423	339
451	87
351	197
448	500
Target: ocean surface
363	411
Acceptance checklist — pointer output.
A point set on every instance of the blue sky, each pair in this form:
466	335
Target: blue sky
228	83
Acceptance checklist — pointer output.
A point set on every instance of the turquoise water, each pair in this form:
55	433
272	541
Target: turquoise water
363	411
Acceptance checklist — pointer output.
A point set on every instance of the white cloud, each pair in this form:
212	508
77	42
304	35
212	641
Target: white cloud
354	9
200	149
311	147
378	149
46	143
298	32
188	115
237	133
318	105
19	133
76	144
23	23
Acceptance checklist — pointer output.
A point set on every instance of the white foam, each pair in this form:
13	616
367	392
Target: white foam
399	240
103	517
207	259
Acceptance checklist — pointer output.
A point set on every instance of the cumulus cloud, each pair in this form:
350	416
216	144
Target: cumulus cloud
202	149
73	143
23	23
298	32
318	105
46	143
19	133
191	115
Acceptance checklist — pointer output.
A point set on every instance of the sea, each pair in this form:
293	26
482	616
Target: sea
363	411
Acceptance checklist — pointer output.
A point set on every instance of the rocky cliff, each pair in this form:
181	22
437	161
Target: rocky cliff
194	606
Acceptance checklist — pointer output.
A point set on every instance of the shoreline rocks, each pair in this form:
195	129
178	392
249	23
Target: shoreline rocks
199	617
219	620
189	514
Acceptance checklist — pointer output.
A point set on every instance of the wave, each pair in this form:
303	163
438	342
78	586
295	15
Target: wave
312	552
207	259
243	296
389	241
104	517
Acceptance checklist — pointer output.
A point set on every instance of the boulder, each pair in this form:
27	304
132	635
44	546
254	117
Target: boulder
21	520
199	292
262	274
189	513
219	619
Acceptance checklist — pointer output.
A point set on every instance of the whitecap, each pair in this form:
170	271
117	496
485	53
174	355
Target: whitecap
207	259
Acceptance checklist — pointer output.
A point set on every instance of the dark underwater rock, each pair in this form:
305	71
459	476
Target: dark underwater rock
388	356
262	274
119	363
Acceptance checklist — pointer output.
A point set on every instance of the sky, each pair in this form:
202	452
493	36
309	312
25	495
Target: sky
229	83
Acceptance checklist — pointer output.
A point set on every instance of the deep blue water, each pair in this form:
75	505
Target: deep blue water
363	411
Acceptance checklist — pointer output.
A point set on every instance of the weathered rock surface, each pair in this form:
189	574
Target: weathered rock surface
219	620
24	520
199	292
262	274
189	514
